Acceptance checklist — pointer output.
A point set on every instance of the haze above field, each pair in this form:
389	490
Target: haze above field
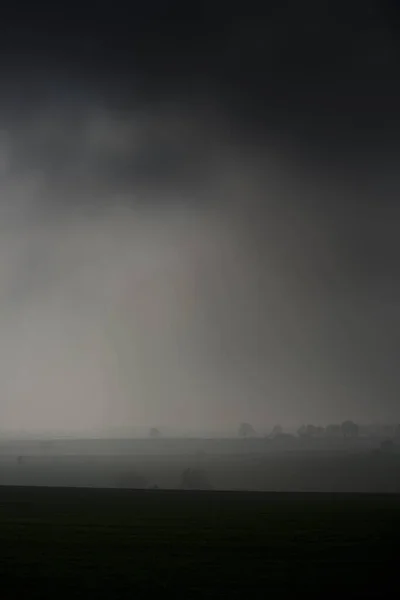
199	219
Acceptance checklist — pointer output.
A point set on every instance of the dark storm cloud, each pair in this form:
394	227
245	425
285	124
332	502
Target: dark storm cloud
199	218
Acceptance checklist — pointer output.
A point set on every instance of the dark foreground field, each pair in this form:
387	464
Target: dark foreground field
69	543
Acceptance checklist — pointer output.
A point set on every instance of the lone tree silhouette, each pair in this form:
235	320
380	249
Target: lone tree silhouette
246	430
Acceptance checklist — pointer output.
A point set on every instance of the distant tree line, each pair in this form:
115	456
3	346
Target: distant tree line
347	429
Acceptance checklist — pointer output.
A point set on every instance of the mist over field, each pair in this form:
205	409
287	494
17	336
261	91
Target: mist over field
199	227
225	285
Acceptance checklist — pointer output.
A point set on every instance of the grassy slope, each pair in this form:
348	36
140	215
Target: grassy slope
115	543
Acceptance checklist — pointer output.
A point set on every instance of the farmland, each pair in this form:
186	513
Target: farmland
65	542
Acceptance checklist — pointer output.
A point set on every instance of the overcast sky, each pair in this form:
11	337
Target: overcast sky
199	217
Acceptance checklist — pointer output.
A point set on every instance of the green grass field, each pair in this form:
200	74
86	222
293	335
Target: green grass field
68	543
